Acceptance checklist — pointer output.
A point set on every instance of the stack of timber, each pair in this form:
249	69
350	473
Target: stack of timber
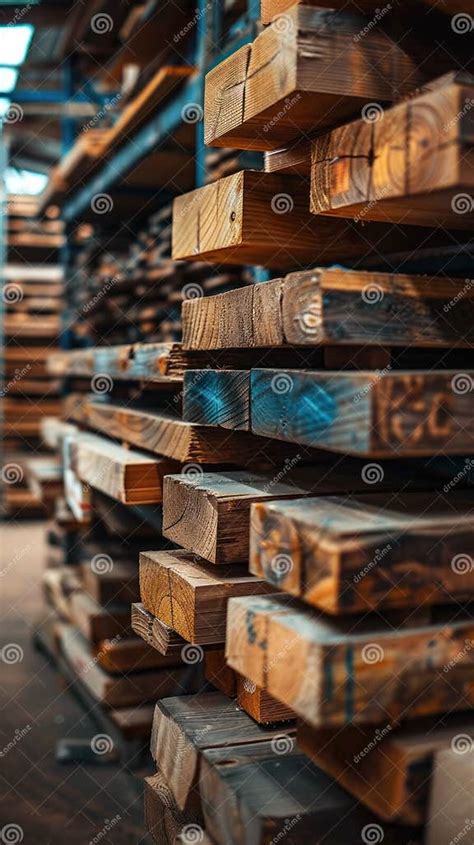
32	297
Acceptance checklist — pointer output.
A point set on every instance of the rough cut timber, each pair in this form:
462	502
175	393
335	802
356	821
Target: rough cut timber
164	821
155	362
98	623
358	671
452	788
108	585
390	770
249	791
370	551
270	9
190	595
217	397
333	306
185	726
123	655
259	704
167	434
306	72
412	163
376	414
263	218
125	475
155	632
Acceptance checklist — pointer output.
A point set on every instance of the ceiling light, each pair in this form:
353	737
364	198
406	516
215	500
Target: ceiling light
4	106
24	181
15	41
8	78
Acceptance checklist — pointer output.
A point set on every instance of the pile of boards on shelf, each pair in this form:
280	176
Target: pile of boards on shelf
32	297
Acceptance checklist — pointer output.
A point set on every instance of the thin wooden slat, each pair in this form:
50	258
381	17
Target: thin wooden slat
410	164
331	306
308	70
123	474
389	770
375	414
370	551
360	671
263	218
190	595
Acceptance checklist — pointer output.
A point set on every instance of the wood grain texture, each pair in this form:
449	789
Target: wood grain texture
412	163
334	307
121	656
116	585
360	671
369	551
190	595
185	726
304	72
263	218
164	821
217	397
270	9
155	632
123	474
98	623
389	770
375	414
260	705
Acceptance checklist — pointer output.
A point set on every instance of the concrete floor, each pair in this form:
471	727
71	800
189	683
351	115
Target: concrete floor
49	802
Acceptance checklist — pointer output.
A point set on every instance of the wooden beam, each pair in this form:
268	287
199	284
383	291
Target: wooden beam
332	307
155	632
389	770
357	671
307	71
217	397
375	414
260	705
190	595
270	9
123	474
98	623
263	218
366	552
122	656
410	164
164	821
115	585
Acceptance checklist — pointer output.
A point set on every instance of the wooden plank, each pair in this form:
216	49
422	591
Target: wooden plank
333	307
113	582
190	595
451	798
359	670
252	793
410	164
374	414
123	655
164	821
154	632
270	9
123	474
217	397
260	705
122	691
185	726
218	673
167	435
98	623
303	73
148	361
389	770
369	551
263	218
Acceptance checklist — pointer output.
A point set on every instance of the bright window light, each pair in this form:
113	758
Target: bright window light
8	78
24	181
15	41
4	106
